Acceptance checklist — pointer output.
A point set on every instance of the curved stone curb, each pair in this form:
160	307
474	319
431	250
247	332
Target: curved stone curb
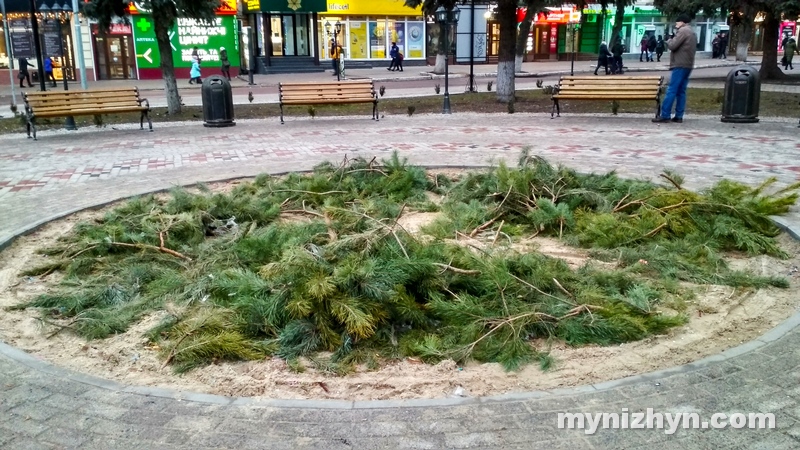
45	367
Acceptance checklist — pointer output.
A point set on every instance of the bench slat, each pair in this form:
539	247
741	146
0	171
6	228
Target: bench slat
326	102
86	112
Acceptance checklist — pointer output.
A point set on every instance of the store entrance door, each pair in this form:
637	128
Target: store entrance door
541	42
288	34
115	57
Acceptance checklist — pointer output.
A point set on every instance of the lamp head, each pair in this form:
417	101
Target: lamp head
441	14
327	27
338	27
456	13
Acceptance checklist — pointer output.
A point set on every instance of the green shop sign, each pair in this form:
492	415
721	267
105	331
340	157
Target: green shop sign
286	6
184	36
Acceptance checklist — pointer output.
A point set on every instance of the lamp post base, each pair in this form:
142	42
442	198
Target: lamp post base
69	124
446	106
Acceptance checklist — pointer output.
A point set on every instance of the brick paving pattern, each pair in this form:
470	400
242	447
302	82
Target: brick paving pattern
42	406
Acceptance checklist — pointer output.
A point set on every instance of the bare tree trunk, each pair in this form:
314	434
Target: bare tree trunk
619	16
438	66
507	15
769	60
745	32
167	67
522	37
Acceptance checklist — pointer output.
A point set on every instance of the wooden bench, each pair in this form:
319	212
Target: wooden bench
329	93
84	103
607	88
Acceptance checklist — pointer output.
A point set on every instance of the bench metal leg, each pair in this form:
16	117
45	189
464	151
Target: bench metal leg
281	113
658	107
146	114
32	126
28	126
375	111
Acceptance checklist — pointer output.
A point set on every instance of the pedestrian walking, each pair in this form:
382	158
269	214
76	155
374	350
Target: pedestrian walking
723	45
789	49
682	47
393	51
400	59
616	51
194	73
651	46
603	56
23	72
715	46
226	64
643	49
660	46
48	71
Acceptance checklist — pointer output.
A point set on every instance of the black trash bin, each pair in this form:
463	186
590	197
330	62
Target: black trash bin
217	102
742	94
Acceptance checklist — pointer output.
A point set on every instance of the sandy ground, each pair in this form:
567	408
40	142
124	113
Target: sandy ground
721	318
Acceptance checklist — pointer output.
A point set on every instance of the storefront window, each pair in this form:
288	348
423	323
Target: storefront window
4	58
415	39
377	39
370	37
358	40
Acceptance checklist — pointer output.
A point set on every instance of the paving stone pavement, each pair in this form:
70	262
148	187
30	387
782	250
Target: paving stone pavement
42	406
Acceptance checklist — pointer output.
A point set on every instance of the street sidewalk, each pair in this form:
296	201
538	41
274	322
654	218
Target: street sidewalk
411	73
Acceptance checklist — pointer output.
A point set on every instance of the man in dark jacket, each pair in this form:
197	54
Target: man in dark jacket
617	50
602	57
682	47
23	72
651	47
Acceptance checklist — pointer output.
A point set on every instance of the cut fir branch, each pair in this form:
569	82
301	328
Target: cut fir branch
353	281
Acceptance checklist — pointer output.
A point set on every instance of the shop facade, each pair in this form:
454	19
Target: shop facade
282	33
368	28
114	52
641	21
55	39
186	35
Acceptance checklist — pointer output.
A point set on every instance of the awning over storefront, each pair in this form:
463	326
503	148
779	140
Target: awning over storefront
285	6
371	7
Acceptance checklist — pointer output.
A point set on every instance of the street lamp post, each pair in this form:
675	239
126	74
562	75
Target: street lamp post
446	18
37	44
575	29
69	124
337	28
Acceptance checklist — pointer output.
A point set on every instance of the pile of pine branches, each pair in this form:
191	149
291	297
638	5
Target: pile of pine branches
297	265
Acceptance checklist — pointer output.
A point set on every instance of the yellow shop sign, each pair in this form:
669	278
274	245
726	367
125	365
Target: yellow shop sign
371	7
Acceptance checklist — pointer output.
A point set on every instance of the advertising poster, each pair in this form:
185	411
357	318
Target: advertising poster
51	39
399	36
184	36
377	40
416	40
21	38
358	40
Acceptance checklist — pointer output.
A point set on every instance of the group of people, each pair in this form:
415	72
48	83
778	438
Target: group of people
719	46
194	72
789	46
651	47
25	75
611	59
